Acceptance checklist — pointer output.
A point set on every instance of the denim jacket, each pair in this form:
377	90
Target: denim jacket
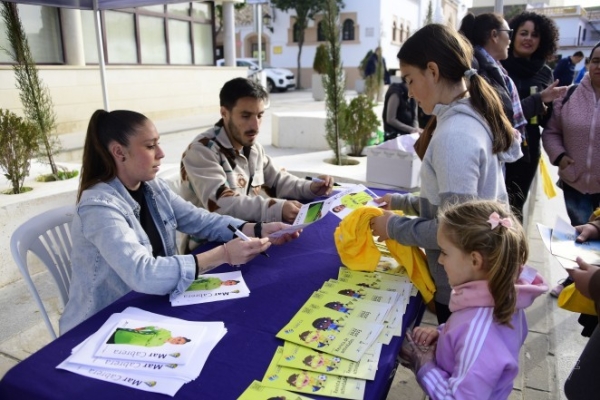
112	254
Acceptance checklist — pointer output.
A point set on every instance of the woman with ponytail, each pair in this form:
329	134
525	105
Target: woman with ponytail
124	226
470	139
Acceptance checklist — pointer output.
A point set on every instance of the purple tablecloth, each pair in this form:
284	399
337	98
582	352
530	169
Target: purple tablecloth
279	286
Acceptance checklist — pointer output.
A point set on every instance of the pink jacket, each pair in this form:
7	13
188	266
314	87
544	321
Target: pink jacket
477	358
574	129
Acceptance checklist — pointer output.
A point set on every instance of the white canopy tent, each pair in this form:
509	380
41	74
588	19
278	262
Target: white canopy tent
96	6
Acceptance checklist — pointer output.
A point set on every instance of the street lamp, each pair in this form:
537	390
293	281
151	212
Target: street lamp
267	21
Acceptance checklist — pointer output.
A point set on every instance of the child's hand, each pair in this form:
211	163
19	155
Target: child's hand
379	226
414	356
425	336
387	198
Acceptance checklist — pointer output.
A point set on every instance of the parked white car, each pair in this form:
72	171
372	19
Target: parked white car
280	79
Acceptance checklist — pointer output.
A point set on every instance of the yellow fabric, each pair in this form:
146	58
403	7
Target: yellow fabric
571	299
357	250
546	179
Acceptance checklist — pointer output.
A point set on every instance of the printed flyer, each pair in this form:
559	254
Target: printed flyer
370	311
358	292
340	204
301	357
298	380
258	391
213	287
563	244
331	332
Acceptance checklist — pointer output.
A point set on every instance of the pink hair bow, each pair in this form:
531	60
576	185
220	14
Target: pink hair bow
495	220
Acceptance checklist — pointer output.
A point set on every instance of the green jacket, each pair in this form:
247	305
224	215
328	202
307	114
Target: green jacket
148	336
205	284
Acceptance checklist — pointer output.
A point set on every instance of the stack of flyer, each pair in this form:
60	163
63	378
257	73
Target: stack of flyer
333	343
146	351
213	287
340	204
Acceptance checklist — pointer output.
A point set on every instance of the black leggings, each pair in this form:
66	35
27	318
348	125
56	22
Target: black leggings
583	383
520	174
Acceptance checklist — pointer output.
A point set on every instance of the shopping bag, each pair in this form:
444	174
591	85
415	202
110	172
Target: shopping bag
571	299
546	180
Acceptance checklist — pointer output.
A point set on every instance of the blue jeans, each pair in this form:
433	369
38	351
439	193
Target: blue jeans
579	206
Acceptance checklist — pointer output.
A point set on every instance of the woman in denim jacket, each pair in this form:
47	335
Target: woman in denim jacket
124	228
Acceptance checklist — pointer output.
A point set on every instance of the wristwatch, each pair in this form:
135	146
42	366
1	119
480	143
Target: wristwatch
258	230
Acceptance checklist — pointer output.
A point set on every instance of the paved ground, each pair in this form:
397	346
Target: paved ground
553	344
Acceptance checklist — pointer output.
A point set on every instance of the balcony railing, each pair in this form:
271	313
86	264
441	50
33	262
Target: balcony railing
561	11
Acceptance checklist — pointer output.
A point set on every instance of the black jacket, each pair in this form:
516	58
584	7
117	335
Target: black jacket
492	73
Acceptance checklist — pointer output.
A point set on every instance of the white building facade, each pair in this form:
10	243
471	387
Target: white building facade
364	26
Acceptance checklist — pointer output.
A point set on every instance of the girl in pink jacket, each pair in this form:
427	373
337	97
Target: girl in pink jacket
475	354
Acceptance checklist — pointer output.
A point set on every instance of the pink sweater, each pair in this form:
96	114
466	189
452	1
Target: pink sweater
574	129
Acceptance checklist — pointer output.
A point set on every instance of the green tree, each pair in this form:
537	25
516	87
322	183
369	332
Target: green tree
360	122
333	80
429	15
18	143
35	96
305	11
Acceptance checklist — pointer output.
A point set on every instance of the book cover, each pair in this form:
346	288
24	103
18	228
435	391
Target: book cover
563	244
138	340
330	332
213	287
387	263
298	380
370	311
358	292
258	391
376	280
301	357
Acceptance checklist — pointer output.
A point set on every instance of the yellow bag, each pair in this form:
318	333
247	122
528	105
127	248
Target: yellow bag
546	179
571	299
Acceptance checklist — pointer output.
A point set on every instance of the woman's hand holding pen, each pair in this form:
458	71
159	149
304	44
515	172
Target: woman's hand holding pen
239	251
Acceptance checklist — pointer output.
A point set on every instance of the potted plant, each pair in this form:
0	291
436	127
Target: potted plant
320	68
19	141
360	124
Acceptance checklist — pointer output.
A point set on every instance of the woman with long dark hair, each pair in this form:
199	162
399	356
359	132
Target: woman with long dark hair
124	226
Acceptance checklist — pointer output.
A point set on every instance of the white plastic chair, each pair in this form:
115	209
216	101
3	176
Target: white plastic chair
48	236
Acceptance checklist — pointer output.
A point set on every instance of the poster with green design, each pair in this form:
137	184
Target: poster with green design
331	332
301	357
298	380
258	391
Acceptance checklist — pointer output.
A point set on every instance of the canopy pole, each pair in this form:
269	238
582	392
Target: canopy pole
100	46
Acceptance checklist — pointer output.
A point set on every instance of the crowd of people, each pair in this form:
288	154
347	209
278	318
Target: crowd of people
489	90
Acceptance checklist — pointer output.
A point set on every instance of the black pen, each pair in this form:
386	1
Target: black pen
241	235
315	179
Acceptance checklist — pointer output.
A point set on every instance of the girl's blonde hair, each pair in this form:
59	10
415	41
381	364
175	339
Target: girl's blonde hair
504	249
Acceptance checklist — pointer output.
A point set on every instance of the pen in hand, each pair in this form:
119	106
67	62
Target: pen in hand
242	236
315	179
